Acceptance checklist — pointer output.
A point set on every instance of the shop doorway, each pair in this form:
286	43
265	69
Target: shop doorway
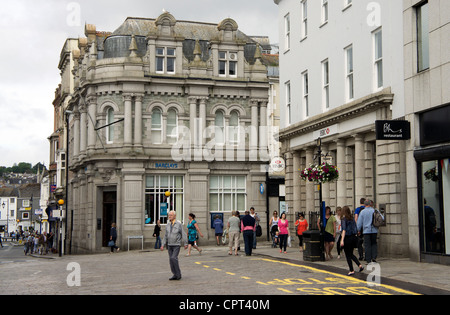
109	214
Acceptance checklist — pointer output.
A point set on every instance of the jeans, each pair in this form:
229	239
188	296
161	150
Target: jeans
158	242
283	241
350	242
248	241
370	246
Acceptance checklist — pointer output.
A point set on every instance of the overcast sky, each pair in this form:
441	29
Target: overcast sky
32	33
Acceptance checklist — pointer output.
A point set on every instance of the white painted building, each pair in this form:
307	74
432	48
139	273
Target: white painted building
8	211
341	69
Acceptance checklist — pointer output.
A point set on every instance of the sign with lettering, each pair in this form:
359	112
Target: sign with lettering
325	132
166	165
393	129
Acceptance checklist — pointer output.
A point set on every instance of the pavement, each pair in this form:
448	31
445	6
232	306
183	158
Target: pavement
434	278
390	269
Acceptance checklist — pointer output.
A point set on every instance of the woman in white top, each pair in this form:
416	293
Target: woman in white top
274	220
274	225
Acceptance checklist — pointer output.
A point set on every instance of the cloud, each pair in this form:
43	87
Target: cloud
33	34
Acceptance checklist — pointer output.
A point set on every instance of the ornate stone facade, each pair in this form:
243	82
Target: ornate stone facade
164	105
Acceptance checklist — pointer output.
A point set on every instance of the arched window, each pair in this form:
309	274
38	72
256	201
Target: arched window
220	127
233	128
172	126
110	129
156	126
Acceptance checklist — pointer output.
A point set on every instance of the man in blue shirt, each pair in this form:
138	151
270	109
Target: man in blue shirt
364	225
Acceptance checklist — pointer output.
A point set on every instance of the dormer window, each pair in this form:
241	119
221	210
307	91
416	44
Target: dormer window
165	60
227	64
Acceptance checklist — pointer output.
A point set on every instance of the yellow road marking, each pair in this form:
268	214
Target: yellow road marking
284	290
340	276
316	281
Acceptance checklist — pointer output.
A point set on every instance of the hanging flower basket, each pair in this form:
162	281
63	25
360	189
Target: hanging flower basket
324	173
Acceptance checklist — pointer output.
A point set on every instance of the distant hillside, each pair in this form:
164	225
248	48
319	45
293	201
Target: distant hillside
22	168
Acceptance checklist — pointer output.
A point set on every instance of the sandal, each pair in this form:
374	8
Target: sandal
351	273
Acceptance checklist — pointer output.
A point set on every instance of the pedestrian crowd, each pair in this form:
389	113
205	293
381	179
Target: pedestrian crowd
38	244
349	230
33	241
345	229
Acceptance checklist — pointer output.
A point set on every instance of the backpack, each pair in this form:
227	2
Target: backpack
377	219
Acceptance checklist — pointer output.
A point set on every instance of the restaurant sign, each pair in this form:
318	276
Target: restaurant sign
393	129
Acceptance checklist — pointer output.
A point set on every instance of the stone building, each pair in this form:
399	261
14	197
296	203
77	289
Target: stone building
427	108
357	62
341	70
164	105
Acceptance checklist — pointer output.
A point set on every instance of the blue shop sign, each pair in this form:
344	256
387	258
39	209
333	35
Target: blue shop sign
167	165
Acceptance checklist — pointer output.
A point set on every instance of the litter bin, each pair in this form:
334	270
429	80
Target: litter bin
311	246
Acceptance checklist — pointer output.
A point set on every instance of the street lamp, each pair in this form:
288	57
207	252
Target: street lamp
60	202
7	218
321	214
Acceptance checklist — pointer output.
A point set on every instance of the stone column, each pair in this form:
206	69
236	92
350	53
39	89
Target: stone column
83	130
341	193
254	131
263	142
360	188
202	125
193	120
310	186
76	134
138	122
128	115
91	119
325	186
296	181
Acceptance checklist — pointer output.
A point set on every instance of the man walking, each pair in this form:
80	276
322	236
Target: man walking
370	232
172	240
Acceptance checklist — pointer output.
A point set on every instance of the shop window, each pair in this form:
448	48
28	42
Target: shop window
157	203
436	206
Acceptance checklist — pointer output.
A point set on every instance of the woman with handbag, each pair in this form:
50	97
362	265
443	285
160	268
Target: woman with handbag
113	238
